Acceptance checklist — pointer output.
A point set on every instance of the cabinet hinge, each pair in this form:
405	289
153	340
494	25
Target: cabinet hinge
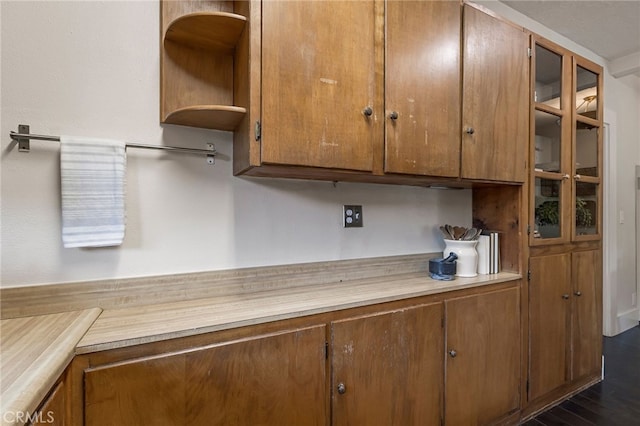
258	130
528	275
326	350
529	52
528	229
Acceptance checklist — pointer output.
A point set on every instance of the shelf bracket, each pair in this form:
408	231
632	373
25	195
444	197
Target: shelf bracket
23	143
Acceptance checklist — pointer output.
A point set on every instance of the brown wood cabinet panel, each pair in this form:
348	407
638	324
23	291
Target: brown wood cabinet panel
482	382
53	410
422	86
391	367
495	98
587	313
549	313
318	75
268	380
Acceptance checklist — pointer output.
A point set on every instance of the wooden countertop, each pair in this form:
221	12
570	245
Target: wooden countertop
34	351
118	328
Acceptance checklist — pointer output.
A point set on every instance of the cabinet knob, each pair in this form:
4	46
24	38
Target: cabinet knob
566	176
578	293
341	388
453	353
368	111
469	130
577	177
565	296
393	115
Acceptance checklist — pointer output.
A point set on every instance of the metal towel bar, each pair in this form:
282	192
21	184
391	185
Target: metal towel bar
22	137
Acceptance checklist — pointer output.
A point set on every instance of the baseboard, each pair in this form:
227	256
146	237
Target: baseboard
628	319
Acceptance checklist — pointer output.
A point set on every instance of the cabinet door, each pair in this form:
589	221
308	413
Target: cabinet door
52	412
586	165
422	88
549	320
482	382
495	102
387	368
550	148
587	314
318	75
268	380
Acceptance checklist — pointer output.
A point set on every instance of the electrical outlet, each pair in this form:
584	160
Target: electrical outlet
352	216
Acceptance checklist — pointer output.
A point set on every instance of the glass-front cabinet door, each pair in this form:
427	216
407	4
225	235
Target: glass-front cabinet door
587	151
566	146
551	153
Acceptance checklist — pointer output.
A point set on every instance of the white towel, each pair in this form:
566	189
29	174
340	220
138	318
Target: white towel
92	175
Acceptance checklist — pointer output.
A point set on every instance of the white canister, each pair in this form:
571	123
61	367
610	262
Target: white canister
467	263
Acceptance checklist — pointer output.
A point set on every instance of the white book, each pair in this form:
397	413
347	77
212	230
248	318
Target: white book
483	254
494	251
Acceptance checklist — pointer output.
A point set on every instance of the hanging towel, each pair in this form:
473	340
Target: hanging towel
92	173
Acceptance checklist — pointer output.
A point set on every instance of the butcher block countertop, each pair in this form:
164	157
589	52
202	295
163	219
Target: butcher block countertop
34	351
43	327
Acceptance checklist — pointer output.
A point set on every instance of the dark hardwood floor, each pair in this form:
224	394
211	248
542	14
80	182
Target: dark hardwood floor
612	402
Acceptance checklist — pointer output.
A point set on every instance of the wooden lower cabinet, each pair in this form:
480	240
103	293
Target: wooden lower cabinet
482	381
387	368
53	409
391	368
390	364
586	325
550	317
276	379
565	326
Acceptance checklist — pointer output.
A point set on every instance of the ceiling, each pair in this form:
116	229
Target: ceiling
610	29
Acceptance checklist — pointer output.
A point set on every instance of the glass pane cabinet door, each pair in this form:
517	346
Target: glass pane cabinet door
548	128
548	213
586	93
586	209
586	154
586	193
548	84
551	145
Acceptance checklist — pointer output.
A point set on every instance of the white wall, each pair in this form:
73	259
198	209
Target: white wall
625	101
622	113
92	69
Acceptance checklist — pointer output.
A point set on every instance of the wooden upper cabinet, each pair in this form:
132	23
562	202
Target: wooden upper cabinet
495	102
422	88
387	368
318	76
482	382
273	379
362	89
566	146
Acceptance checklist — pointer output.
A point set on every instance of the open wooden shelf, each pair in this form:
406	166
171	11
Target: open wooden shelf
197	65
219	117
217	31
